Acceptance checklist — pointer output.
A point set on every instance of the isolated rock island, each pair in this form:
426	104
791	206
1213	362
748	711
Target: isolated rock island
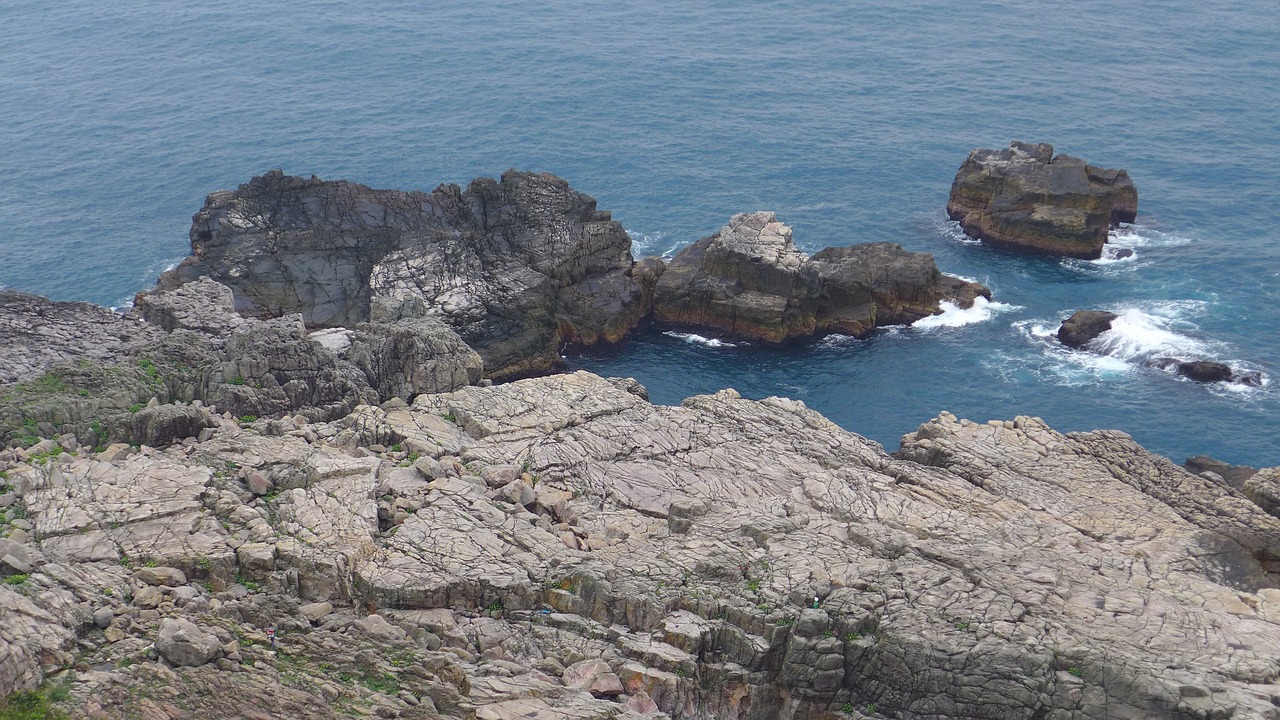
1025	198
284	486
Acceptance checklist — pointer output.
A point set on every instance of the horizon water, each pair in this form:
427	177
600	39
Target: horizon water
848	121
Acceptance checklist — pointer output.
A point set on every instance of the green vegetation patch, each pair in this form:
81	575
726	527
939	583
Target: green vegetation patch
29	705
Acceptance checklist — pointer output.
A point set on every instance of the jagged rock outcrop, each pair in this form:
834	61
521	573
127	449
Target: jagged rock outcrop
750	281
517	267
561	548
101	377
1024	198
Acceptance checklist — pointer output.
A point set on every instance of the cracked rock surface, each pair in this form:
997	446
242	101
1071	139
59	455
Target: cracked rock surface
561	548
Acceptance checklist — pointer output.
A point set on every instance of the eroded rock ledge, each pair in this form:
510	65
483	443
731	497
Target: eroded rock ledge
560	548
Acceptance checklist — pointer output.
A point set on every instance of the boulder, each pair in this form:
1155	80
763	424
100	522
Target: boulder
407	352
516	266
1263	488
1024	198
751	281
160	425
1083	326
185	644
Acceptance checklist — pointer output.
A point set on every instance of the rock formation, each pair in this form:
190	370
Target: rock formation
516	267
1025	198
750	281
1083	326
99	376
560	548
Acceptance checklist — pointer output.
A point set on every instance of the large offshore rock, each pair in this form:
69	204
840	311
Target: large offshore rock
516	266
751	281
1024	198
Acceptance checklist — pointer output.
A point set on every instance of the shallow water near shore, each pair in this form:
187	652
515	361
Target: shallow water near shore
849	122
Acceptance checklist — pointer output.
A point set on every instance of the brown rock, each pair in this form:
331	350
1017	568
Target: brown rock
1024	198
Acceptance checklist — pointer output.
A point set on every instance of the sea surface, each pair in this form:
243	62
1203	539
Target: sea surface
847	119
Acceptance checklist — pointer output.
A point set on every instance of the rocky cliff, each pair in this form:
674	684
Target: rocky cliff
561	548
1026	198
749	280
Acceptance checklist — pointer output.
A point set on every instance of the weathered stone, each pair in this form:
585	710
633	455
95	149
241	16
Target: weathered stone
1024	198
185	644
171	577
102	617
1263	488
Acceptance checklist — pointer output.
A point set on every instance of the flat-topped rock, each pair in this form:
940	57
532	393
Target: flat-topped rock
751	281
1025	198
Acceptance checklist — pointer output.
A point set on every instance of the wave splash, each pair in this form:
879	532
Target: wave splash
696	339
953	315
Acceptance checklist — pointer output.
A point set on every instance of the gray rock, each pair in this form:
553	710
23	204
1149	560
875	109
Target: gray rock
162	424
167	576
1263	488
185	644
516	267
103	616
1024	198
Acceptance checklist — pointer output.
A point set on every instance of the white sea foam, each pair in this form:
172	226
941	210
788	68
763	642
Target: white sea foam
647	244
836	340
696	339
953	315
1136	336
951	230
154	270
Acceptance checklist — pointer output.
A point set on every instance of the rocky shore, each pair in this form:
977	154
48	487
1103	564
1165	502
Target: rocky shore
559	547
284	485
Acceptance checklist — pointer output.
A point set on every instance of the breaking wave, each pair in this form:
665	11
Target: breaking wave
696	339
953	315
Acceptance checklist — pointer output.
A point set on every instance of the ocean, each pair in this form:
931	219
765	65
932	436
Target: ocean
846	119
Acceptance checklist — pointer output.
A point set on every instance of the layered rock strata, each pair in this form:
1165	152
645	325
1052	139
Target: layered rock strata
750	281
561	548
1025	198
517	267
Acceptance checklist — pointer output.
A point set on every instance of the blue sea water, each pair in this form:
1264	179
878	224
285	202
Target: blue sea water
847	119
